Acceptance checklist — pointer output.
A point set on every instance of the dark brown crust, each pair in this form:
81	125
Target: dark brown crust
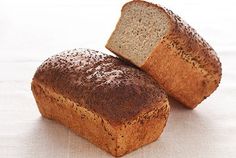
104	84
197	70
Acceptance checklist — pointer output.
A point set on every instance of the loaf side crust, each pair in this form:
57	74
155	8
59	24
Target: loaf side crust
197	70
113	138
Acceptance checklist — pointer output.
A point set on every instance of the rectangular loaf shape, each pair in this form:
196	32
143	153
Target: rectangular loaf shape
167	48
104	100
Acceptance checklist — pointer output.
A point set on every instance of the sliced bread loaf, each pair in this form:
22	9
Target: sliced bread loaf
162	44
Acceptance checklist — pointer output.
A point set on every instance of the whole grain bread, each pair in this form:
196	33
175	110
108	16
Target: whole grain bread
101	98
172	52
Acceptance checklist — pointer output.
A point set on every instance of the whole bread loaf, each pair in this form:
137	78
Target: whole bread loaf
101	98
162	44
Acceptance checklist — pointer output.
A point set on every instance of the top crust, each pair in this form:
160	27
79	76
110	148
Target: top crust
102	83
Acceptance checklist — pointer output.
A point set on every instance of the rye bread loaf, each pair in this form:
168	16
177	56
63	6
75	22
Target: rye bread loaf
162	44
101	98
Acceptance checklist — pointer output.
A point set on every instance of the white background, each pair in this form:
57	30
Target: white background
31	31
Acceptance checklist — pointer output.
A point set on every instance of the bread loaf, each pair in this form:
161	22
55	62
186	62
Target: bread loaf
112	104
162	44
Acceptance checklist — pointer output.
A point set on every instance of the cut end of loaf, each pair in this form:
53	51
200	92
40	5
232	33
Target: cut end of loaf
140	28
